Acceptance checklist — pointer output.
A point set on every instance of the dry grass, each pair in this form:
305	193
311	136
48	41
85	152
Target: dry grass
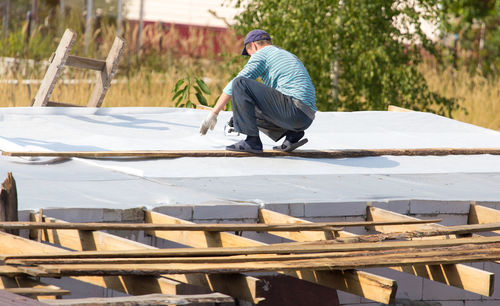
143	89
479	96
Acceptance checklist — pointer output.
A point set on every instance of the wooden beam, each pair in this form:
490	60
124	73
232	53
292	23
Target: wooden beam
149	299
259	227
483	215
266	153
393	108
284	248
33	292
457	275
239	286
10	244
55	68
25	282
85	63
61	104
106	75
8	201
7	298
360	283
349	260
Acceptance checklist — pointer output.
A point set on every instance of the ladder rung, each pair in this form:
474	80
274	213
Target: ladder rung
86	63
61	104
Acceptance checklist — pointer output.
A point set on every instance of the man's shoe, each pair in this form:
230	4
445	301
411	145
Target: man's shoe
288	146
243	146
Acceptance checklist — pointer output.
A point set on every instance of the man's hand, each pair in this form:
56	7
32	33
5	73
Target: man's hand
208	123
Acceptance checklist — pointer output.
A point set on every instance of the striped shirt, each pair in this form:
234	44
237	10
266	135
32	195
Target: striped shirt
281	70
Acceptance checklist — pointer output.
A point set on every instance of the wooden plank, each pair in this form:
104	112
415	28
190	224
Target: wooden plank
104	78
10	244
26	282
379	258
7	298
207	227
483	215
240	286
32	292
266	153
8	201
9	271
150	299
285	248
360	283
85	63
61	104
459	275
55	68
394	108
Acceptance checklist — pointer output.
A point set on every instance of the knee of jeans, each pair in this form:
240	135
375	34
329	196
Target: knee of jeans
238	82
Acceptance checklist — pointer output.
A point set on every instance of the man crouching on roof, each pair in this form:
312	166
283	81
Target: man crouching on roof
283	105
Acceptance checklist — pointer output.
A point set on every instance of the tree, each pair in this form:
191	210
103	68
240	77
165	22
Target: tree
476	23
357	55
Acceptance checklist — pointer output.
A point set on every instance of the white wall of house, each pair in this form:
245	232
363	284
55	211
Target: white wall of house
191	12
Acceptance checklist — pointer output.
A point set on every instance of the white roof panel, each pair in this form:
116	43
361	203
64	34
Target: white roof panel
132	183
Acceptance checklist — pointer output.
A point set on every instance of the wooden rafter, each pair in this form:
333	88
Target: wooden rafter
457	275
239	286
10	244
355	282
483	215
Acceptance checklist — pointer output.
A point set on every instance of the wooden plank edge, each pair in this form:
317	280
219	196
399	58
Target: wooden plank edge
266	153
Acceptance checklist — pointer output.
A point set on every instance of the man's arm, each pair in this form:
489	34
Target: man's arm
221	103
211	120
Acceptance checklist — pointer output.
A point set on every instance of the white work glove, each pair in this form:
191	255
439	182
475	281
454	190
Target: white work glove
208	123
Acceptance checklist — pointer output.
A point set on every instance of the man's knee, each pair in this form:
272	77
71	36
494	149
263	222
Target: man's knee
239	83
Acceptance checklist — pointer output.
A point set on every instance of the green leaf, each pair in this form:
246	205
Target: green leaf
197	89
178	85
201	99
203	86
177	94
185	92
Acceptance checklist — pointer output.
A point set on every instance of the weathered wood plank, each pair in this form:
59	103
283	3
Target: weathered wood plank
61	104
7	298
364	284
8	201
266	153
355	282
26	282
104	78
323	226
285	248
380	258
240	286
457	275
85	63
146	300
55	68
10	244
38	291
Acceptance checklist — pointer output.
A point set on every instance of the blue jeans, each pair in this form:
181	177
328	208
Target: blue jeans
259	107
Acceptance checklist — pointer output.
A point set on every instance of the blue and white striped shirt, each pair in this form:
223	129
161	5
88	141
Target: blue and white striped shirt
281	70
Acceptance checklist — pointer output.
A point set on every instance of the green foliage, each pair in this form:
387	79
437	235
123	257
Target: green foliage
354	53
477	24
183	90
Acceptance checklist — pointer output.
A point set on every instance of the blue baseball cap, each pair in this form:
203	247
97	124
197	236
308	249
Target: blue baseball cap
254	35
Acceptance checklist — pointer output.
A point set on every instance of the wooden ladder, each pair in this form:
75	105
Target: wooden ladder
61	58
